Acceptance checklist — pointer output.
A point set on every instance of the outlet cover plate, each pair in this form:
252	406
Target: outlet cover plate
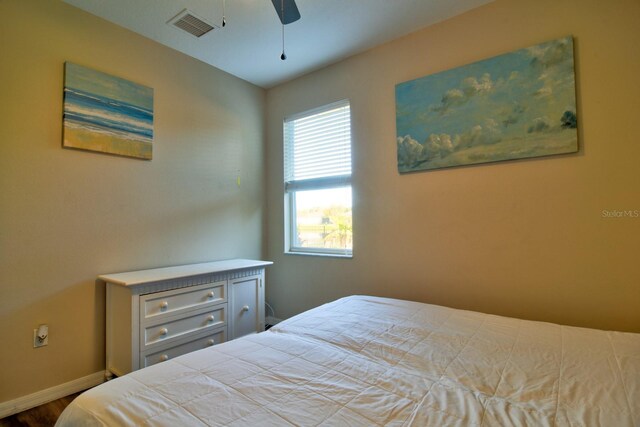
36	341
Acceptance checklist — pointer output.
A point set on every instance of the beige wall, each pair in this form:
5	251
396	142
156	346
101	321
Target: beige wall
523	238
67	216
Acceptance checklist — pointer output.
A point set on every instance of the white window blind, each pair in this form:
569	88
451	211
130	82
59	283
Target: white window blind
317	181
318	148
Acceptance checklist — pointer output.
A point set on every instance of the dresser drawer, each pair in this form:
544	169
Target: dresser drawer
216	337
177	327
171	302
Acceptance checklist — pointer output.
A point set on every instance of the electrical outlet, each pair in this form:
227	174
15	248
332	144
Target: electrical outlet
41	336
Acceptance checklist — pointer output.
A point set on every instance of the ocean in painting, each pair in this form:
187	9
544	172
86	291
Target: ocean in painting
106	113
518	105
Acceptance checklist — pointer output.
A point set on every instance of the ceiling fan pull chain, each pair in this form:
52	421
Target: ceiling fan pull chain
283	56
224	21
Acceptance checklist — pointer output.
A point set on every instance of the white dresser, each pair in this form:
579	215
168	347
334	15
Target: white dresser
155	315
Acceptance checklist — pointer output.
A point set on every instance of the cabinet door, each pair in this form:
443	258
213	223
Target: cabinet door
247	306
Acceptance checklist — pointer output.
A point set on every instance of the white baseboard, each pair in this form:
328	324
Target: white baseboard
50	394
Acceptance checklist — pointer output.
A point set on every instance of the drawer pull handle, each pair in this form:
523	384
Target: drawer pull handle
164	305
245	308
211	342
211	318
164	331
164	358
211	294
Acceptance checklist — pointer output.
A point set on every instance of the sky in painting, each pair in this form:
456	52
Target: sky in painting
521	104
92	81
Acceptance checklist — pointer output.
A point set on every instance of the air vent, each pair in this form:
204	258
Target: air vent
192	24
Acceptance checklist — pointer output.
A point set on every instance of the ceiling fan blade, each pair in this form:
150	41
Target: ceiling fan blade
291	12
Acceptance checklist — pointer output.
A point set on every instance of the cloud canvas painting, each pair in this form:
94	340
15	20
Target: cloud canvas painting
518	105
106	113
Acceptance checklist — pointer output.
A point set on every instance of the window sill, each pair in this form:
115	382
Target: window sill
319	254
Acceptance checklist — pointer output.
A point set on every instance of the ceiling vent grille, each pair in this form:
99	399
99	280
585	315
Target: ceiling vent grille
192	24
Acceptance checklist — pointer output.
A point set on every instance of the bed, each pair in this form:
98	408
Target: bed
369	361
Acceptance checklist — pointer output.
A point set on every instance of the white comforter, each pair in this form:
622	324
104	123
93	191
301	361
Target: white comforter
365	361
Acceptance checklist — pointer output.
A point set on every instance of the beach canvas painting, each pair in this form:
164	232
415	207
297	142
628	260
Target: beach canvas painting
106	113
518	105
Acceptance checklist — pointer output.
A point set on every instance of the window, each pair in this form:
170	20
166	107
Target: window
317	181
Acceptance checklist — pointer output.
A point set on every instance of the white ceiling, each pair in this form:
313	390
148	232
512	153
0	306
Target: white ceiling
249	46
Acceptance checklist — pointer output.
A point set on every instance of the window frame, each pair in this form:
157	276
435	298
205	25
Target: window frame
331	182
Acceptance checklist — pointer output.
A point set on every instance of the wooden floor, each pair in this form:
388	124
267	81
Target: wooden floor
44	415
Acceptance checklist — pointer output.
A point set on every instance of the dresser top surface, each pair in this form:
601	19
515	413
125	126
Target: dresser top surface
132	278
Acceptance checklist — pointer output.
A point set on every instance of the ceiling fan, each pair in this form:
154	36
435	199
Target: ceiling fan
287	10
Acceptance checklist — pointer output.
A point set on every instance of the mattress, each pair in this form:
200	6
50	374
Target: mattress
368	361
